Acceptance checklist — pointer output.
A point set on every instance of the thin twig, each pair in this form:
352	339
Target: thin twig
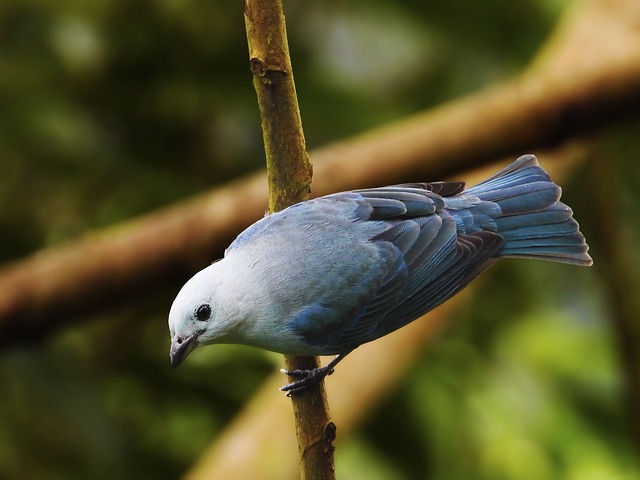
289	176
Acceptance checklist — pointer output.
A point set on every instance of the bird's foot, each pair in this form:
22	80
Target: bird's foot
306	378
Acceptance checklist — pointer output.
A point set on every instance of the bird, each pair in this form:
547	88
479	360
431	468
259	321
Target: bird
327	275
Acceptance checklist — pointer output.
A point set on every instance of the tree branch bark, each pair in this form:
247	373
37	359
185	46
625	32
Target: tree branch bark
289	169
289	174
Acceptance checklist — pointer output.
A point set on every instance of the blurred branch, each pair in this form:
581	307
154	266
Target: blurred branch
289	173
583	90
620	265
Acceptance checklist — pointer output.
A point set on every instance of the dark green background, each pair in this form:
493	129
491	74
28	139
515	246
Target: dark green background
112	108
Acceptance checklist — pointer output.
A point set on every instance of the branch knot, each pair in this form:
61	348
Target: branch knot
264	70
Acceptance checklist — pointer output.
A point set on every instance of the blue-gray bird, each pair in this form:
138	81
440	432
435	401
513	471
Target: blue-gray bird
327	275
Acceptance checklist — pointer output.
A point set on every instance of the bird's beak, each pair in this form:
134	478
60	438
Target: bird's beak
181	348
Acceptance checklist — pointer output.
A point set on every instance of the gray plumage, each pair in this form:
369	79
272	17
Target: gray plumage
327	275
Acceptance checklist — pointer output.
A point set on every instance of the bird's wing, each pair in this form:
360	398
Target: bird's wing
442	189
425	262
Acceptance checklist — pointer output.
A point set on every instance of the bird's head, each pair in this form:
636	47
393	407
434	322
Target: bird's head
195	318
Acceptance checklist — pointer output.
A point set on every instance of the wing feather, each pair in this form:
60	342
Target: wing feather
423	262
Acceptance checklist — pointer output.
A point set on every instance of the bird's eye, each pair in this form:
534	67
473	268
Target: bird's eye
203	312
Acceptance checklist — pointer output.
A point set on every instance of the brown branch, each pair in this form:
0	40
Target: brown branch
289	174
593	84
288	167
585	78
59	284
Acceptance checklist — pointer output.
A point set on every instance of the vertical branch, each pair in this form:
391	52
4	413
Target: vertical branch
289	176
288	165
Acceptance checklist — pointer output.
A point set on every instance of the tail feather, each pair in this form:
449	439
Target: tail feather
533	222
524	170
528	198
573	254
558	213
538	230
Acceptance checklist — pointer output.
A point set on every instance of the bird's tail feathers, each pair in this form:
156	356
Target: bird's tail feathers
533	222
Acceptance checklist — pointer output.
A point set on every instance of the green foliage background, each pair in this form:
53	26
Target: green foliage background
110	109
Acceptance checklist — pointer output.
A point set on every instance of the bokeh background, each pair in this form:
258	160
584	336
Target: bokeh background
111	109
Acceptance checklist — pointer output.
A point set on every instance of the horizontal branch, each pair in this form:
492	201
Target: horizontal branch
591	85
59	284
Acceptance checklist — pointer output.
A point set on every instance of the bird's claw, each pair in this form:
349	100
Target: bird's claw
306	378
